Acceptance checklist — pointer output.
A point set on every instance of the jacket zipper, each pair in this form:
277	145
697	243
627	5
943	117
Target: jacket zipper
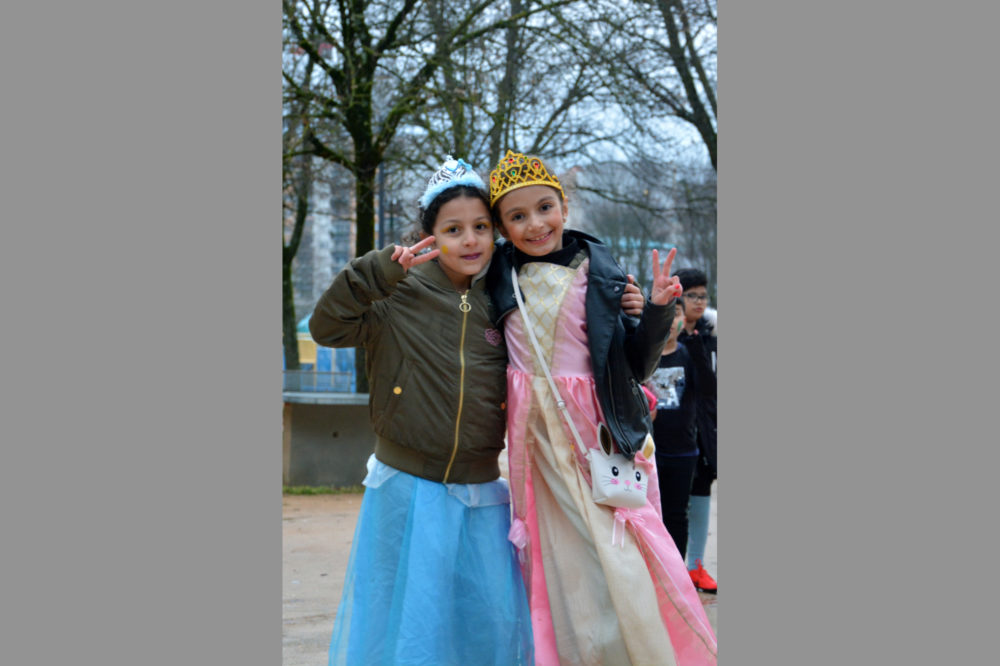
464	306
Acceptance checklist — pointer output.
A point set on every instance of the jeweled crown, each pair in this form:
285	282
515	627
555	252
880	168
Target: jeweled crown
518	170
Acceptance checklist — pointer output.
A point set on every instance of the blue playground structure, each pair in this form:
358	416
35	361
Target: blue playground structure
322	369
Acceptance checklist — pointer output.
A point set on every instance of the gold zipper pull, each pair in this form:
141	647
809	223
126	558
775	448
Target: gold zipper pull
465	306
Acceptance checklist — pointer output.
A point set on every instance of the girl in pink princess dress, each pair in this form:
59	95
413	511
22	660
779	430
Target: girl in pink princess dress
605	585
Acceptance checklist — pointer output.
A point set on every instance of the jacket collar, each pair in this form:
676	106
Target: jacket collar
498	282
432	273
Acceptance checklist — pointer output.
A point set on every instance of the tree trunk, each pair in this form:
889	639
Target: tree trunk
364	195
302	189
699	116
505	92
288	324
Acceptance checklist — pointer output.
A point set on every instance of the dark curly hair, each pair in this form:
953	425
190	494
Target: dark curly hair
428	216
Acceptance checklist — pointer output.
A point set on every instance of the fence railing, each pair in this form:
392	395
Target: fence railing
308	380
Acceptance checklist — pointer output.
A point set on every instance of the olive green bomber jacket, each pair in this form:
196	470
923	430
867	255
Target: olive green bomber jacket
437	374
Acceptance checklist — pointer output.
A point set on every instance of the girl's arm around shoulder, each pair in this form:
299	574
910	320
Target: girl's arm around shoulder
344	316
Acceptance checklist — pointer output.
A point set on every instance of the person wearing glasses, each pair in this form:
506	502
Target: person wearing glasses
700	322
684	375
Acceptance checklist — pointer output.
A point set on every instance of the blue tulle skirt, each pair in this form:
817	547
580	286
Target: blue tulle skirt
432	578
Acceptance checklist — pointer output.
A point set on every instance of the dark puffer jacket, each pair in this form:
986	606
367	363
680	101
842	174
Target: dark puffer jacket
624	351
705	409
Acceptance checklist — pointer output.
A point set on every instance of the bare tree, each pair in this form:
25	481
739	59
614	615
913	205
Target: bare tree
369	66
636	206
376	63
526	88
628	206
684	52
695	206
659	60
297	178
392	86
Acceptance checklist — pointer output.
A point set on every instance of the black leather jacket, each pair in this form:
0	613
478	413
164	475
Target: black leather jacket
705	413
624	350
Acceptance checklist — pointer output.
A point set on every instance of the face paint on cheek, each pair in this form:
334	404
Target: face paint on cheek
444	249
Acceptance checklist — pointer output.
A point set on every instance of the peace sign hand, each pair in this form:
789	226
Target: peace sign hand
408	256
664	287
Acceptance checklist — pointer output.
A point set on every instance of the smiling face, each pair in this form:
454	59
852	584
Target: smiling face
463	231
532	219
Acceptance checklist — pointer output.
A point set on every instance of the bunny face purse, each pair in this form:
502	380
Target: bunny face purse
616	481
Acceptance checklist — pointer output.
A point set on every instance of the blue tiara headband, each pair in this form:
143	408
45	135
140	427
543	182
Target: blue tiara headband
451	174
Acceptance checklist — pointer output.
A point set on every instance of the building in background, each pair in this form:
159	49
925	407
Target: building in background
327	237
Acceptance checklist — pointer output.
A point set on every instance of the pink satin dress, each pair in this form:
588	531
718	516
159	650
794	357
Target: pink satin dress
598	595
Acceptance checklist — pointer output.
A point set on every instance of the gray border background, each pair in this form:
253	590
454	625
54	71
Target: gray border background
142	337
141	474
857	157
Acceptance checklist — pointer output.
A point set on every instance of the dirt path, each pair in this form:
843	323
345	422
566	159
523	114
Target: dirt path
317	531
316	541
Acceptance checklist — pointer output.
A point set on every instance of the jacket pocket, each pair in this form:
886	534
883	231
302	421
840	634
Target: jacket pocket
392	394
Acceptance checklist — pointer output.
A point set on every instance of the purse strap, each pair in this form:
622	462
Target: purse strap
560	403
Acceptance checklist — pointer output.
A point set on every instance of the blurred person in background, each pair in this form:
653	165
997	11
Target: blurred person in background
683	377
700	329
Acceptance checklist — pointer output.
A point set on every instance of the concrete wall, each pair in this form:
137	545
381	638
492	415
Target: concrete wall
326	444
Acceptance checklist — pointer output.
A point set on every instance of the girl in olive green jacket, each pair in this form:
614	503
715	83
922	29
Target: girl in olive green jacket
432	577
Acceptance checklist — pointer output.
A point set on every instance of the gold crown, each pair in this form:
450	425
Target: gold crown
517	170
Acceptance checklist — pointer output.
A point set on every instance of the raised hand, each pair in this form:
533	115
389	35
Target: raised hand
408	256
665	288
633	300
